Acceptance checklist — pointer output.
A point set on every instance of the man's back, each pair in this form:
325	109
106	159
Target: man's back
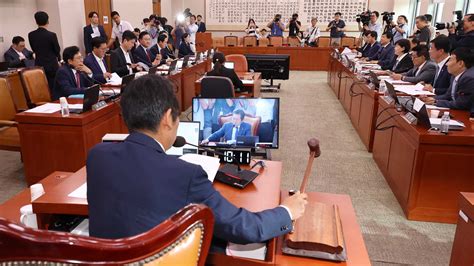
46	48
133	186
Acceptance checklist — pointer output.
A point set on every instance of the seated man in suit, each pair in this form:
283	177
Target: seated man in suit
424	69
221	71
143	54
17	55
161	48
439	52
230	131
385	54
401	61
96	62
373	46
121	59
185	46
93	30
134	185
73	77
460	94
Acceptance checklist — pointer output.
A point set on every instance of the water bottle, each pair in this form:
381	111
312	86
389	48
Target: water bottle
64	107
382	87
302	42
445	123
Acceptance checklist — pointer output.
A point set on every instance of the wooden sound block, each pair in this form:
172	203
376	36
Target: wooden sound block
318	230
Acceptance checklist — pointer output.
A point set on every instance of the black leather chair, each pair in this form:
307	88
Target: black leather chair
217	87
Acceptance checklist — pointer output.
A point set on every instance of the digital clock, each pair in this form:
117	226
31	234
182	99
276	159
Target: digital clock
235	156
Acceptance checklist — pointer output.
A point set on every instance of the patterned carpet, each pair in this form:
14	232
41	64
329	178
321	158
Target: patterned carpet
309	108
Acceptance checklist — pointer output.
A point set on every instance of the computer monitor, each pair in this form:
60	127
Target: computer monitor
91	97
223	126
173	66
272	66
374	79
125	81
189	131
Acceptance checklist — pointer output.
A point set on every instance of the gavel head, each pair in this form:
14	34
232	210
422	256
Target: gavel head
313	145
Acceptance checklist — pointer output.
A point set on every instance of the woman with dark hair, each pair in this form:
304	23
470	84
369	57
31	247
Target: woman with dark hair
402	61
185	46
252	28
221	71
414	42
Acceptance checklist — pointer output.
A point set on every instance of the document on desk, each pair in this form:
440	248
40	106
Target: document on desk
429	106
452	122
346	51
115	80
251	251
47	108
395	82
247	81
414	90
210	165
80	192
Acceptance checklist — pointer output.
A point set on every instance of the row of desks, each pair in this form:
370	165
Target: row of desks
425	170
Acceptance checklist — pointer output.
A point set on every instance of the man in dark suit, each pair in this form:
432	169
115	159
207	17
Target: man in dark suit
460	94
45	45
466	39
17	55
230	131
401	61
96	62
439	52
386	52
121	59
73	77
373	45
161	48
185	46
201	24
93	30
143	54
133	186
424	69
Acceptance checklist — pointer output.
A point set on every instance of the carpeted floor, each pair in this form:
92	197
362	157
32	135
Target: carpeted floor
309	108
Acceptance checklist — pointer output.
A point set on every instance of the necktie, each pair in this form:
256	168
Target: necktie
234	133
436	76
78	79
148	54
453	89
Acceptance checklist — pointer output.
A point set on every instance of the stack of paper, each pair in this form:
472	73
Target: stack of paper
47	108
452	122
414	90
209	164
115	80
80	192
251	251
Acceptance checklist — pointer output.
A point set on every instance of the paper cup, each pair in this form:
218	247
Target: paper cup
434	113
37	191
28	218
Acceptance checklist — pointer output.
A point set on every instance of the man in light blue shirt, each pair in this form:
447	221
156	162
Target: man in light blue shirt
373	25
400	29
277	26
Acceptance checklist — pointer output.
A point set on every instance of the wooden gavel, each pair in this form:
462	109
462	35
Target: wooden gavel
314	152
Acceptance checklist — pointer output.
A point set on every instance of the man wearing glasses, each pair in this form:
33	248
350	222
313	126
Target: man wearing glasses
424	69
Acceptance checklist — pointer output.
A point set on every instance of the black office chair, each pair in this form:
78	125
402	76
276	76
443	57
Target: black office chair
217	87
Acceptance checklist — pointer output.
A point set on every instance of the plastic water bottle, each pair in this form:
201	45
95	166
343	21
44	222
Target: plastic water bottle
302	42
64	107
382	87
445	123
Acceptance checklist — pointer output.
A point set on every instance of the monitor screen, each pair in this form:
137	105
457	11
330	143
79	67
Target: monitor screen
238	122
189	131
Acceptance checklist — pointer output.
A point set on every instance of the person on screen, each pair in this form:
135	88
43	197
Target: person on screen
221	71
231	130
218	108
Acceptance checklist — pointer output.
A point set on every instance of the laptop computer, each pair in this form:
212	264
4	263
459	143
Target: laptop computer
125	81
152	70
185	61
198	56
374	79
400	101
173	66
247	141
427	122
91	97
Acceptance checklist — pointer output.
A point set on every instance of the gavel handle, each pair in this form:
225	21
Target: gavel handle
307	172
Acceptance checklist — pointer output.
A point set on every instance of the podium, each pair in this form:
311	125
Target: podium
203	41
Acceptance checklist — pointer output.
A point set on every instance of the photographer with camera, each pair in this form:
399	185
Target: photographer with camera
337	26
400	29
424	33
277	26
294	26
466	39
372	24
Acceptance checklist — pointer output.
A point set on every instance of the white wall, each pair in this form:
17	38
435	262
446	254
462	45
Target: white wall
72	22
133	11
52	8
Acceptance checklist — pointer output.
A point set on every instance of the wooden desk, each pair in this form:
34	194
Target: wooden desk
263	193
463	241
301	58
189	76
50	142
426	170
253	88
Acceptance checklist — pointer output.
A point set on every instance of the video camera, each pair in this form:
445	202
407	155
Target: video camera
387	17
458	24
363	17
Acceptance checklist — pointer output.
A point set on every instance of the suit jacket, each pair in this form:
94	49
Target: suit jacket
118	62
371	50
464	93
184	50
13	58
140	55
88	38
202	27
403	66
226	131
97	73
45	45
384	55
65	83
426	74
155	50
166	53
443	81
133	186
229	73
